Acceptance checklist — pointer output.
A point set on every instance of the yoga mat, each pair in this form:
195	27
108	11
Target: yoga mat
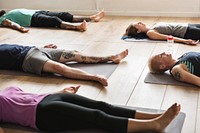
165	79
142	40
128	39
105	69
174	127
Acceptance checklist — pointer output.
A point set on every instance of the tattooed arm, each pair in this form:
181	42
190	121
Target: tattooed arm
181	73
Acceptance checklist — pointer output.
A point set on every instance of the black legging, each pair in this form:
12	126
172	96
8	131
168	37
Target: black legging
50	19
62	112
193	32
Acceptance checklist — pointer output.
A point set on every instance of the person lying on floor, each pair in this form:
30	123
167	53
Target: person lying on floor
64	110
182	32
52	60
18	19
185	68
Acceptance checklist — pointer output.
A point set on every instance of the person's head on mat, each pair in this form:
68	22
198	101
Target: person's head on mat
185	68
64	111
136	30
182	32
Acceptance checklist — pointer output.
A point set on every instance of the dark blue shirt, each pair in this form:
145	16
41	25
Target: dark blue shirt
12	56
192	61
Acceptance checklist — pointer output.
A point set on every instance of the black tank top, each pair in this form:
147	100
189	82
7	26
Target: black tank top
192	61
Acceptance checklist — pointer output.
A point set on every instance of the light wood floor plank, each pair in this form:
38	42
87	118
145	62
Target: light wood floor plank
187	97
198	122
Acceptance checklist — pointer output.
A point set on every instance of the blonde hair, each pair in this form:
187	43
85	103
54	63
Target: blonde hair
154	65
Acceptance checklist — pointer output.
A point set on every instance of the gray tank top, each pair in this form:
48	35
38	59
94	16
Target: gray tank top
174	29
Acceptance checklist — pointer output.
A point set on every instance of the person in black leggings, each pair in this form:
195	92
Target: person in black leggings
64	111
18	19
60	112
80	112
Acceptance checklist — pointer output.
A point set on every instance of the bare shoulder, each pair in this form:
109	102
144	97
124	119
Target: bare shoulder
179	71
181	67
6	22
151	31
153	34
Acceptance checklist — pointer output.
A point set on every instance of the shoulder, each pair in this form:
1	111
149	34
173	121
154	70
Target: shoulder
179	67
153	34
178	70
151	31
5	22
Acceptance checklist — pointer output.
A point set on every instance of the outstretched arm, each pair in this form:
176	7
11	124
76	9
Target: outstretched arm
13	25
181	73
154	35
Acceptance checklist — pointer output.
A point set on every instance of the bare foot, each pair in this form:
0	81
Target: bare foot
70	89
164	120
117	58
102	80
97	17
82	27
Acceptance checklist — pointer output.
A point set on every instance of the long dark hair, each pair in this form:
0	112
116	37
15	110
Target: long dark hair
131	32
2	12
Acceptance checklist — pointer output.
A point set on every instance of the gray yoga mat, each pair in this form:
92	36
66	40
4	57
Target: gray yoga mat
165	79
174	127
105	69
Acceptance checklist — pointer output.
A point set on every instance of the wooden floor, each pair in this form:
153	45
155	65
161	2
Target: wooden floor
126	84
